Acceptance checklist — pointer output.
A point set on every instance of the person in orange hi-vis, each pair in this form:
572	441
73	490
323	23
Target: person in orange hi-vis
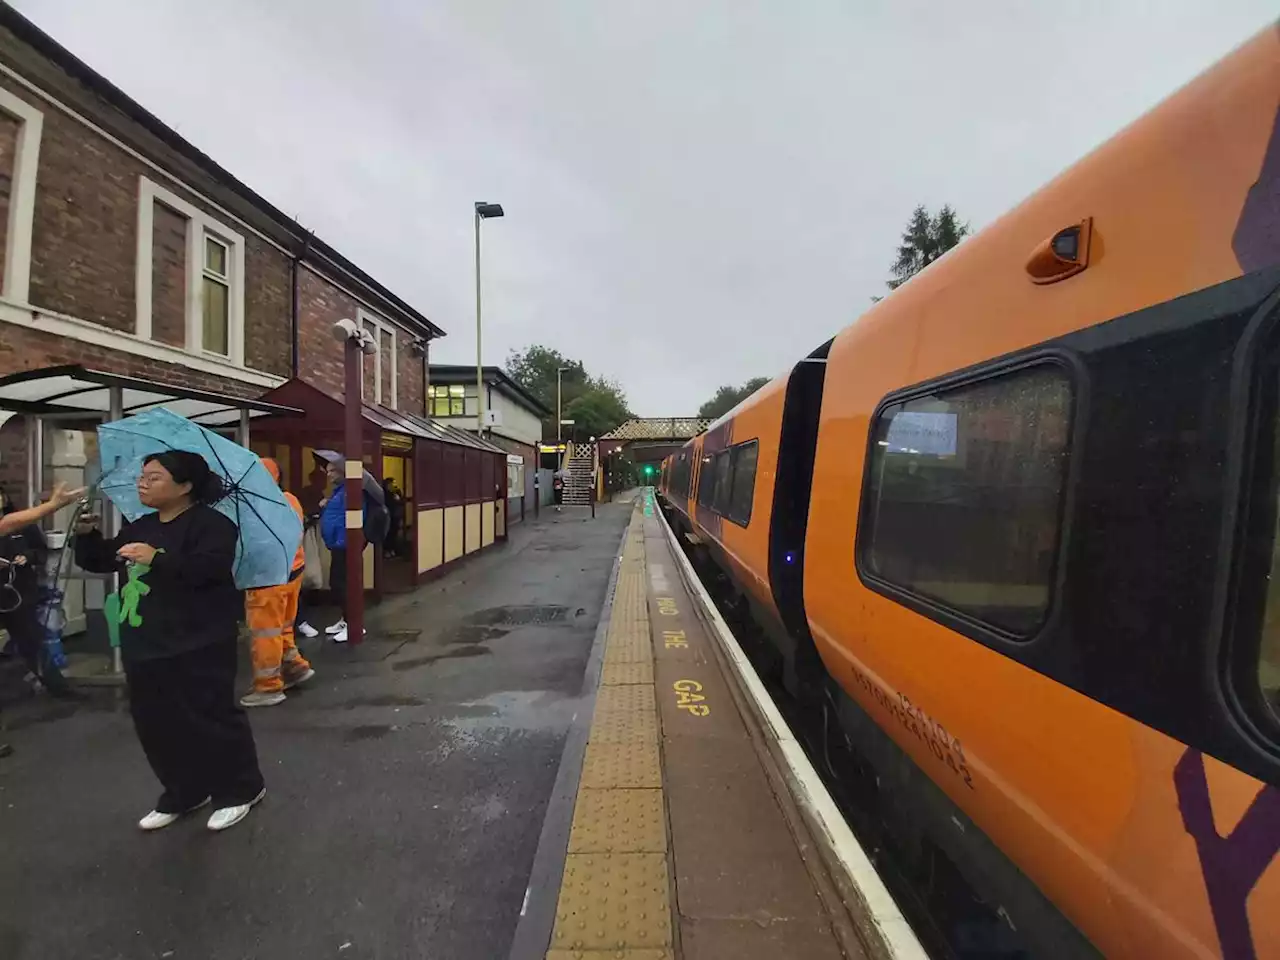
277	664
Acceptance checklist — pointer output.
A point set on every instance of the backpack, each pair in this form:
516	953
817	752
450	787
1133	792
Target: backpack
377	520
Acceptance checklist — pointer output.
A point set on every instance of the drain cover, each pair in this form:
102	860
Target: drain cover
520	616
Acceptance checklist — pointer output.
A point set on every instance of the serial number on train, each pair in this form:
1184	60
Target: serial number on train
944	747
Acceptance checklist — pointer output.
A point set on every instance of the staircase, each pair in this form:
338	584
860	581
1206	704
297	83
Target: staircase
580	481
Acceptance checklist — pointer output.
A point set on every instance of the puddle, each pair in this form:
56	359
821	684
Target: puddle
472	633
519	616
370	731
533	710
384	700
455	654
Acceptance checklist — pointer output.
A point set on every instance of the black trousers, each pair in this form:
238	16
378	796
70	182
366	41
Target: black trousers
193	730
24	626
338	578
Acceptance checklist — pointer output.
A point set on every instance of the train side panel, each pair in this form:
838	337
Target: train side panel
733	499
1105	814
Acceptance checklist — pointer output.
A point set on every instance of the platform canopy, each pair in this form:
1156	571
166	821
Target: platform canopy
73	391
659	428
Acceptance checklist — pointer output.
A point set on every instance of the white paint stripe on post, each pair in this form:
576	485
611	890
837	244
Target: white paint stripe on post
355	469
355	519
899	940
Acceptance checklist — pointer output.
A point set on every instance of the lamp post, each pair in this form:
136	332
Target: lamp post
357	341
559	412
484	211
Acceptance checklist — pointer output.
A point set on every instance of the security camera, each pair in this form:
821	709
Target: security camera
368	346
418	348
344	330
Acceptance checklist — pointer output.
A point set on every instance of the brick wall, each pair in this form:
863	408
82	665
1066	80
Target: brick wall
268	328
320	360
409	375
84	242
169	277
13	460
25	349
320	306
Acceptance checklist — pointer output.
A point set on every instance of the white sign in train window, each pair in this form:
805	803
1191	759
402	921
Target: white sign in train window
930	434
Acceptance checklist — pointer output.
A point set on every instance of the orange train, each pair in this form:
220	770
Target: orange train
1017	526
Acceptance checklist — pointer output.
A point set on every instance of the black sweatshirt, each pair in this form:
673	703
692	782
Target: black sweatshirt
28	542
187	599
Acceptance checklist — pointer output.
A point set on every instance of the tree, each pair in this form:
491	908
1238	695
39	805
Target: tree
596	404
534	368
729	396
926	238
597	409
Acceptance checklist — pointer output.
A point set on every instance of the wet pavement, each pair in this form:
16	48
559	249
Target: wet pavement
406	785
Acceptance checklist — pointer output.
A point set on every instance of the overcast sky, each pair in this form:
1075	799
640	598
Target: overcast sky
696	192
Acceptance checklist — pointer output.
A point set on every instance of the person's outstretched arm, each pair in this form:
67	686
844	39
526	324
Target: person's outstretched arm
61	497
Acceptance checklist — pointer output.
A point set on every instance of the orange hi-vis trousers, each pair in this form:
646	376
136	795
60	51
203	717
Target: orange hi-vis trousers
271	612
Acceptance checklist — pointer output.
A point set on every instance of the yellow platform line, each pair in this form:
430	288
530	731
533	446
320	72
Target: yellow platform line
615	896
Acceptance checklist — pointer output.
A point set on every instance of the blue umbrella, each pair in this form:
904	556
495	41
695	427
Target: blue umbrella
270	530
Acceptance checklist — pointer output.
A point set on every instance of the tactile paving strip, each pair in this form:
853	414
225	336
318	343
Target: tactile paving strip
612	901
624	699
615	898
621	674
619	821
625	954
624	726
635	648
621	764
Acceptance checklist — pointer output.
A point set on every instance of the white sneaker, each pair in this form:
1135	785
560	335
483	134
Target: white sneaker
155	820
339	627
230	816
306	629
262	698
341	635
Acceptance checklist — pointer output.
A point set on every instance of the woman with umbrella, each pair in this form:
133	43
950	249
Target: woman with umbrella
179	620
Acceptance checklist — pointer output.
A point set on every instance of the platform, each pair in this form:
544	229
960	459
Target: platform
673	832
544	755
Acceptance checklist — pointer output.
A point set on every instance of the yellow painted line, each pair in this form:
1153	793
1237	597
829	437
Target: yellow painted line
615	896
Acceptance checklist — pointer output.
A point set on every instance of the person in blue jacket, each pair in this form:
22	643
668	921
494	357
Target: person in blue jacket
333	530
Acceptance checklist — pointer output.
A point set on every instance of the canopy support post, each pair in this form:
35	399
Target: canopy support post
111	516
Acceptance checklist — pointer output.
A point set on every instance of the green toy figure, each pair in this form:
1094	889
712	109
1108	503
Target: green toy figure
133	591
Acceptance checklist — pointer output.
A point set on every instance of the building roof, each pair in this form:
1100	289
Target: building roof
450	373
80	86
659	428
324	413
72	391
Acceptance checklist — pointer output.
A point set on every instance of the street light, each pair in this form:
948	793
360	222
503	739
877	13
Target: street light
484	211
559	413
357	341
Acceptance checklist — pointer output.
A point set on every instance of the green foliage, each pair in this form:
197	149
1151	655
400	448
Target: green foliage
597	404
729	396
926	238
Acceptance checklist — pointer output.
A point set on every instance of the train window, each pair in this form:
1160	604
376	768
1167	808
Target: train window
964	496
744	481
1258	603
724	480
706	483
681	482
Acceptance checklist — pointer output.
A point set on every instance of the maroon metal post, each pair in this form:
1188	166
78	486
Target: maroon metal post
354	486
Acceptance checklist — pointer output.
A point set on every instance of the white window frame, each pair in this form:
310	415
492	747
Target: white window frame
208	273
379	325
22	198
199	225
